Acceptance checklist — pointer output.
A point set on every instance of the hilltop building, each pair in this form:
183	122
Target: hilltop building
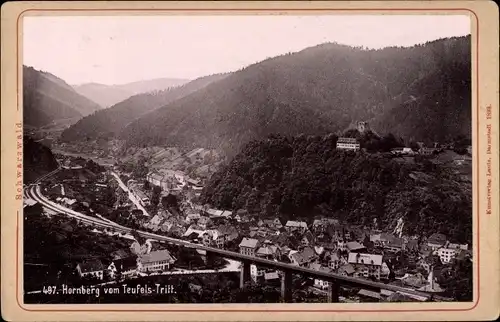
348	144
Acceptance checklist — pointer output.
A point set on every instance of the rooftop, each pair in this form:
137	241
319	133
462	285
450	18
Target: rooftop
249	242
91	266
354	246
159	255
304	256
292	223
369	259
368	293
267	250
347	140
348	268
215	212
121	253
271	276
437	238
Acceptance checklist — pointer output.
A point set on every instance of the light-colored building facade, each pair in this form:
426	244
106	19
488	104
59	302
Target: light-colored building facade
446	255
159	260
348	144
154	178
248	246
366	265
296	226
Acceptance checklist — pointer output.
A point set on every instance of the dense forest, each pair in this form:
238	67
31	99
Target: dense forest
107	123
37	160
420	93
306	176
438	105
47	98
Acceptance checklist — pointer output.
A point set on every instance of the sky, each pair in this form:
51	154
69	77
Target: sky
122	49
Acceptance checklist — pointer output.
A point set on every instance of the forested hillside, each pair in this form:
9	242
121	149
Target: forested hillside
323	89
47	98
305	176
37	160
436	106
109	122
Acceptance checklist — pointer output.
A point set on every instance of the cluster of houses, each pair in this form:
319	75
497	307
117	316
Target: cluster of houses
203	225
174	181
323	245
125	263
328	246
80	192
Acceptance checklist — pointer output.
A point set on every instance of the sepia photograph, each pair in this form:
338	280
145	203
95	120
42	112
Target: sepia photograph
247	159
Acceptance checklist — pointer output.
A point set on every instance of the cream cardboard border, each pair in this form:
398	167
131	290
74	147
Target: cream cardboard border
484	15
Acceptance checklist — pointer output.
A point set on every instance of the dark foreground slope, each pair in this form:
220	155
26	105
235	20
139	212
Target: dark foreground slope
47	99
109	122
302	177
37	160
318	90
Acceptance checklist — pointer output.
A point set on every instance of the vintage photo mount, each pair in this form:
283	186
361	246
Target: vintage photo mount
485	117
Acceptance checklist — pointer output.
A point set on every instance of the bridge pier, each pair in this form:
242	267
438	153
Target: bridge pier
333	292
244	273
286	286
210	257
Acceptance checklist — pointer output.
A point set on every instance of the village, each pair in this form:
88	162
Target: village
166	202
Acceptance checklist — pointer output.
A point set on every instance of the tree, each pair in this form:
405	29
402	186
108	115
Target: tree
155	197
414	146
170	201
389	142
457	280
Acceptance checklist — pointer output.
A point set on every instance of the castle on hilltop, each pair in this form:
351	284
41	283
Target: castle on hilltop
363	126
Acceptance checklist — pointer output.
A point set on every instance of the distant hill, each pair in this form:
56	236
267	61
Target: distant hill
109	95
47	98
109	122
306	176
319	90
37	160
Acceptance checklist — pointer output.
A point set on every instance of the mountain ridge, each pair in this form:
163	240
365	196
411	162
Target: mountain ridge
109	95
110	122
47	98
319	89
